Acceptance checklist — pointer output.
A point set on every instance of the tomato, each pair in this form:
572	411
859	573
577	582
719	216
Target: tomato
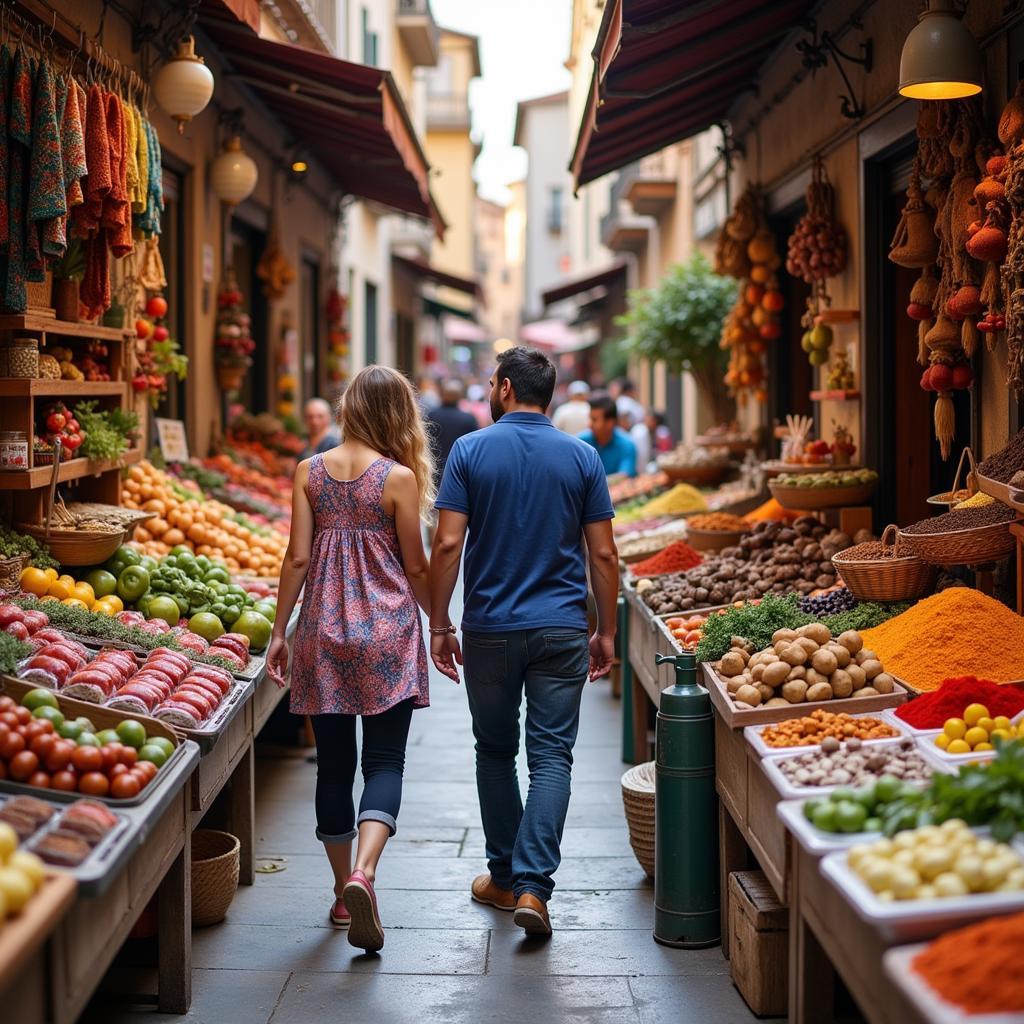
12	745
23	715
7	703
109	753
115	770
94	784
42	745
87	759
60	755
37	728
66	781
146	768
40	779
125	786
9	718
4	729
128	756
23	765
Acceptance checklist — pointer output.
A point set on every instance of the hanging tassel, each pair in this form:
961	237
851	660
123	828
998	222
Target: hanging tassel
969	337
992	339
945	423
991	292
923	327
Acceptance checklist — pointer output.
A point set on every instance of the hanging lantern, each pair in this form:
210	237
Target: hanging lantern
940	58
233	174
184	85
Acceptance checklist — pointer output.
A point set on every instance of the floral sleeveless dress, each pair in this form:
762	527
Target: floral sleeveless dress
359	645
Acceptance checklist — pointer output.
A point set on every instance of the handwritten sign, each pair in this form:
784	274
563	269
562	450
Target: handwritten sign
173	442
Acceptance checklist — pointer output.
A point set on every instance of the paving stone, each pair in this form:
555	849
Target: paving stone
577	841
690	1000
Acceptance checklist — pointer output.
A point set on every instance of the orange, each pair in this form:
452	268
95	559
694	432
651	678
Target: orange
35	581
111	601
85	593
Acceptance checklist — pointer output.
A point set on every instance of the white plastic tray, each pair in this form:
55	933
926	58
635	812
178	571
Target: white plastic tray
753	734
916	920
926	744
897	964
889	714
811	838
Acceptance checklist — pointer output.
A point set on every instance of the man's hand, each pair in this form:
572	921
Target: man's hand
602	653
277	661
446	654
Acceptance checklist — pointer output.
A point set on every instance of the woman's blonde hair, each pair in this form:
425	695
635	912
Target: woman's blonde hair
379	408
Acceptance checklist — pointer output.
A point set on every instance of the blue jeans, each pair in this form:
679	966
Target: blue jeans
523	843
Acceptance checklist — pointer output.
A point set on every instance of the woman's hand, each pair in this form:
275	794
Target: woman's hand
277	661
446	653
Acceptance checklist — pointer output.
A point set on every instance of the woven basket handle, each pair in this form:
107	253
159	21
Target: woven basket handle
891	536
971	483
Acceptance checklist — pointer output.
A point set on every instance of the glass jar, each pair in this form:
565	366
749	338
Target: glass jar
23	356
13	449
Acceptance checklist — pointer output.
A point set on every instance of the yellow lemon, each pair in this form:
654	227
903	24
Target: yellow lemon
975	735
85	593
34	581
1002	722
955	728
61	590
988	724
51	574
958	746
1003	734
75	602
49	597
942	741
102	608
984	746
974	713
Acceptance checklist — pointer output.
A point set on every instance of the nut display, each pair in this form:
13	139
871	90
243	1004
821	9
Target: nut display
819	727
723	522
833	478
850	763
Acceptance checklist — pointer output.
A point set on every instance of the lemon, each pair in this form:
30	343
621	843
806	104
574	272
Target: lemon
85	593
988	724
49	597
1002	722
975	735
34	581
8	841
974	713
28	864
955	728
983	746
958	746
1003	734
942	741
102	608
67	579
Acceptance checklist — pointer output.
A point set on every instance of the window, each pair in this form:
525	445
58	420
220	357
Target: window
369	40
555	211
369	323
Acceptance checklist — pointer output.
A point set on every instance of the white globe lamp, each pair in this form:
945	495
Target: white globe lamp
184	85
233	175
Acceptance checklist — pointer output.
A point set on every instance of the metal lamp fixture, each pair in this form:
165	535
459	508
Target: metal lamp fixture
233	175
940	59
184	85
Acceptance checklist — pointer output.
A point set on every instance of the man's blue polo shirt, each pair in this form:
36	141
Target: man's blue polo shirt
527	490
618	455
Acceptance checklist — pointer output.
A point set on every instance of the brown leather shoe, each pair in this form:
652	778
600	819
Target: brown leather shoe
485	891
532	915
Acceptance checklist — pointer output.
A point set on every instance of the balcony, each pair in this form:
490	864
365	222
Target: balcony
448	111
621	229
418	31
650	185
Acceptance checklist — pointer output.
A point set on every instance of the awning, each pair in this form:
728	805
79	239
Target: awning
420	267
436	308
349	115
556	336
246	11
577	285
465	331
665	70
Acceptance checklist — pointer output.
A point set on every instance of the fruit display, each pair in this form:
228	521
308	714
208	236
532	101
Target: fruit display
804	665
21	873
58	426
39	747
936	862
687	632
816	340
832	478
840	374
954	695
856	810
639	486
233	343
976	730
265	509
849	763
832	602
91	362
63	837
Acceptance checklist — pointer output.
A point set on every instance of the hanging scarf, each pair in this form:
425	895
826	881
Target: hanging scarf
142	158
150	219
98	179
72	146
117	216
131	145
47	201
19	132
5	91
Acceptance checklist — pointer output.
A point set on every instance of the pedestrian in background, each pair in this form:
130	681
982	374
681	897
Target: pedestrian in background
321	432
448	423
527	496
355	544
638	434
573	416
623	390
614	446
661	436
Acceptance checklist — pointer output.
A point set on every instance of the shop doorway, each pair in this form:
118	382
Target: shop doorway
247	245
310	354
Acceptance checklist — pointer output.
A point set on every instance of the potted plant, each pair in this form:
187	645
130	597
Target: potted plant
67	276
233	345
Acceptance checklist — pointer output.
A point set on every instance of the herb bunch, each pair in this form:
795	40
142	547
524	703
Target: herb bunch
102	439
13	544
753	622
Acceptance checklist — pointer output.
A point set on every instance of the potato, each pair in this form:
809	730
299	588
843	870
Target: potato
757	672
809	645
732	685
780	646
856	673
795	691
749	695
842	684
871	668
731	664
777	702
821	691
865	691
797	672
767	693
851	641
783	634
824	661
865	655
811	676
884	683
816	631
794	654
842	655
776	673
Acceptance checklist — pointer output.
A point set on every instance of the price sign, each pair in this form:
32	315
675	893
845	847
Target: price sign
173	442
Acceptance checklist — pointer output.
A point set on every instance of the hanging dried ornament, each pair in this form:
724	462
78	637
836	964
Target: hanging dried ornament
1011	134
150	271
731	258
914	244
273	269
817	247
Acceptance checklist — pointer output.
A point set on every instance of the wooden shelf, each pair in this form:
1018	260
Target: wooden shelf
61	328
838	316
25	387
835	396
29	479
21	936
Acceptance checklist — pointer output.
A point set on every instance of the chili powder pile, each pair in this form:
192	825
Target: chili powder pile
930	710
677	557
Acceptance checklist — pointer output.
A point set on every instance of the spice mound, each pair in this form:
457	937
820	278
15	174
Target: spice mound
965	519
818	726
869	551
1005	463
723	522
978	967
958	632
677	501
677	557
932	710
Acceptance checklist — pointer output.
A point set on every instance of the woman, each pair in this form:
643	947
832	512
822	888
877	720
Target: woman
356	545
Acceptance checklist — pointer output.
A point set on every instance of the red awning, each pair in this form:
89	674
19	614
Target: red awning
246	11
664	71
421	268
576	285
350	116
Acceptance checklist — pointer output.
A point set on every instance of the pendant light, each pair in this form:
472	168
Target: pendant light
940	59
233	174
184	85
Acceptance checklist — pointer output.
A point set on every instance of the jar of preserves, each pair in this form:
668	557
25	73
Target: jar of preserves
23	357
13	449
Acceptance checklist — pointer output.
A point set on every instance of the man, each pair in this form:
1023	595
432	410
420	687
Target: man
614	446
528	495
449	423
574	416
623	390
320	428
638	434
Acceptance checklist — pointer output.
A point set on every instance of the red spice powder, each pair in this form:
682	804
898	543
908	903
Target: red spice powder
677	557
930	710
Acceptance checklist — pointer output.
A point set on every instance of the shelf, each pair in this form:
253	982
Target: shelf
22	936
838	316
29	479
835	396
61	328
25	387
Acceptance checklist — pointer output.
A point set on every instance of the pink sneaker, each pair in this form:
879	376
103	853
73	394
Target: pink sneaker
366	931
339	915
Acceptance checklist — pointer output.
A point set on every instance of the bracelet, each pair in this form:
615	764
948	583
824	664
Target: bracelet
442	630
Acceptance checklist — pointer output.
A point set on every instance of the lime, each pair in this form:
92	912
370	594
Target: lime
163	607
85	723
206	625
88	739
39	698
873	825
255	627
70	730
132	733
811	808
850	816
151	752
887	789
102	582
825	817
266	609
108	736
163	743
50	714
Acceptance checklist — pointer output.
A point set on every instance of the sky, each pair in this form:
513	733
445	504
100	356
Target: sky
523	49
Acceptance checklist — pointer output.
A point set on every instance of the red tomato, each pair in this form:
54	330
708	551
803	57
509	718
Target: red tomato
128	755
94	784
6	703
23	715
60	755
3	770
4	729
11	745
146	768
37	728
42	745
110	757
23	765
87	759
115	770
9	718
65	780
125	786
40	779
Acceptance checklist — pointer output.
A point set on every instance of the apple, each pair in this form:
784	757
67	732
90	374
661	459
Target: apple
160	333
143	328
156	307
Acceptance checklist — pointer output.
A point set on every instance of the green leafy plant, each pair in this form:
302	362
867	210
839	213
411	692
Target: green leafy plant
168	358
753	622
679	323
11	652
13	544
102	439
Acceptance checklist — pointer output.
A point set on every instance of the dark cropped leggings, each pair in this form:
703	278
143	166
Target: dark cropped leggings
383	759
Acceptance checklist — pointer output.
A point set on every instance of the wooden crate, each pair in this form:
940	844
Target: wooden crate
758	943
766	833
731	769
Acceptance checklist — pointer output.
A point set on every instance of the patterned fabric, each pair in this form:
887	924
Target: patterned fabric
142	159
72	145
131	146
149	221
359	646
47	203
5	94
19	142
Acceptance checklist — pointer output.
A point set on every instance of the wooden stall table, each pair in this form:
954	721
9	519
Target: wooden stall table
25	953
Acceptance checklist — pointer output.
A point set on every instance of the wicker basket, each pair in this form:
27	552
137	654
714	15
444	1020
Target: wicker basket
638	800
10	573
813	498
900	578
975	546
958	492
215	857
76	547
712	473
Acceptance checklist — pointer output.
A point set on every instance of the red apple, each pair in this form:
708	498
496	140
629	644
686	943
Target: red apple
160	333
156	307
